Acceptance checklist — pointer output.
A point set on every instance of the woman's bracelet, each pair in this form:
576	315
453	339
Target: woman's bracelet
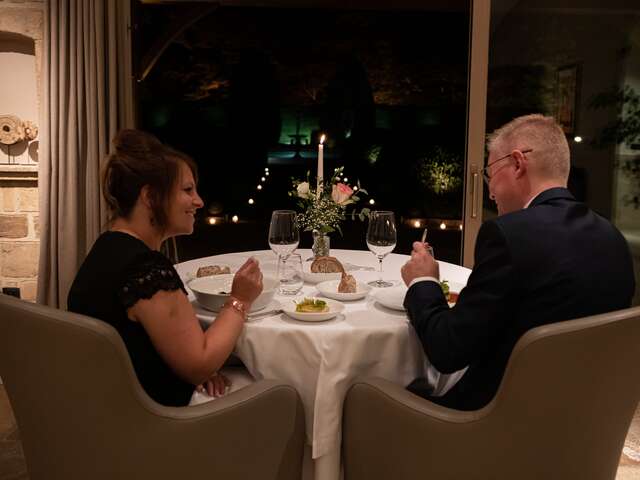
237	305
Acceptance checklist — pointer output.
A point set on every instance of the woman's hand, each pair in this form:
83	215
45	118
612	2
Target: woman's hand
247	282
216	386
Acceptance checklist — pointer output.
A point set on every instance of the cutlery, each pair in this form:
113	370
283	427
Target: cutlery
276	311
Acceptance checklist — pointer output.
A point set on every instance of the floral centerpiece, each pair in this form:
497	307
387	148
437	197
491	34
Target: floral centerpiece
325	207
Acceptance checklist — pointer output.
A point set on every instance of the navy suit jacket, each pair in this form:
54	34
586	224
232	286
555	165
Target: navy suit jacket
556	260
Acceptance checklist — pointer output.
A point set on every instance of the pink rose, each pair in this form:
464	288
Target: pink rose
341	193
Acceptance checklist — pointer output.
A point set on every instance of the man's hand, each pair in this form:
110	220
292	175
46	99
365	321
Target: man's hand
422	264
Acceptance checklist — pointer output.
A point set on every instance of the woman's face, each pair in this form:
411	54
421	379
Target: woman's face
184	203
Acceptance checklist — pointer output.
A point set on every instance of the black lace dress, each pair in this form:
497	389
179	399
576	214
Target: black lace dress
119	271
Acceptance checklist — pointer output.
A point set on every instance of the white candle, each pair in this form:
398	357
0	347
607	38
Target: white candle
320	174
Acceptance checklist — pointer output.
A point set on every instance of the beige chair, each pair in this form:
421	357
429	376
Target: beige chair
83	415
561	412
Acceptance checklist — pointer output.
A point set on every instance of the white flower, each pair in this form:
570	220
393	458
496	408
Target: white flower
303	189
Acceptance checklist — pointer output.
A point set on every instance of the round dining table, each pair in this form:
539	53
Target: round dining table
322	359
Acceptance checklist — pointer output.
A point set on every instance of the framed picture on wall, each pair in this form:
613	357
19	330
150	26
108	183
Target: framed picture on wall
567	97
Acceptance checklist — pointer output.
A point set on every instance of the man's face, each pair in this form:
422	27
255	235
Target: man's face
503	187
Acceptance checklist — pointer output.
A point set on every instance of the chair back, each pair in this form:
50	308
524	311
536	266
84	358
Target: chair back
82	413
568	396
562	411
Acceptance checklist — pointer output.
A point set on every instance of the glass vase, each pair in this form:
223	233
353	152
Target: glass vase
321	244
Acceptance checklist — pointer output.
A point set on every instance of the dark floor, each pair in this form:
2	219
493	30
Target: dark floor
13	467
12	464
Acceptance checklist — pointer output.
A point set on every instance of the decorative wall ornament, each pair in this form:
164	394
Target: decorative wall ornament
567	97
14	130
11	129
30	130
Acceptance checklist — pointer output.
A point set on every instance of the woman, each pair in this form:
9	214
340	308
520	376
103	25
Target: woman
150	191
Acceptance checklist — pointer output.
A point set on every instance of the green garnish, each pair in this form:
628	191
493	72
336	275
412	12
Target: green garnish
444	285
311	305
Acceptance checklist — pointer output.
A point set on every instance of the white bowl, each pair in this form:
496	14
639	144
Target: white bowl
330	289
213	291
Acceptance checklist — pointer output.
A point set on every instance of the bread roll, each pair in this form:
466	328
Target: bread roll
347	284
209	270
326	265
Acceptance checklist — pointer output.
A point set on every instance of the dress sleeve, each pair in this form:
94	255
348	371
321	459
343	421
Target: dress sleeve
145	276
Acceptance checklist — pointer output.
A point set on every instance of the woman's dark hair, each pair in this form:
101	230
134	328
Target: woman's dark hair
141	159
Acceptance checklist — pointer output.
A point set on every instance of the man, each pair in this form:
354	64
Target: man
545	258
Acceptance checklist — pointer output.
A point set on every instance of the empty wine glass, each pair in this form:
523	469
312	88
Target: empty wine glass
284	235
381	240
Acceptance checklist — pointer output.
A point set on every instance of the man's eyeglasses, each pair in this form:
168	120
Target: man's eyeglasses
485	170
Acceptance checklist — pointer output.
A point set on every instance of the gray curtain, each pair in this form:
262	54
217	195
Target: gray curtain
88	98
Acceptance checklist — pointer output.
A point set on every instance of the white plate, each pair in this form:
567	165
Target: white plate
312	277
289	307
391	297
330	289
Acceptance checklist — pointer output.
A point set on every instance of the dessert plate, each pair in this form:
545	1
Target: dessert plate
334	309
330	289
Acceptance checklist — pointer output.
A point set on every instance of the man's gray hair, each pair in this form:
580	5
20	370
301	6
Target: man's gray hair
543	135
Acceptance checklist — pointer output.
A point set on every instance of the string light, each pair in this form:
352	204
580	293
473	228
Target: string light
212	220
372	201
266	174
460	226
259	187
234	219
443	226
355	189
577	139
416	223
266	169
251	201
262	179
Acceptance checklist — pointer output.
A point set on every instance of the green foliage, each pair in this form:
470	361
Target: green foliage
624	129
440	171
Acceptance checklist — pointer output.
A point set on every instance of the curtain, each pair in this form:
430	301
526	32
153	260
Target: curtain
88	97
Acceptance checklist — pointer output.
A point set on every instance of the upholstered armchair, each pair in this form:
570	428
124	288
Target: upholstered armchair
562	411
83	415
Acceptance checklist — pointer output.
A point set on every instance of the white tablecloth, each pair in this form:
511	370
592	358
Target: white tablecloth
321	360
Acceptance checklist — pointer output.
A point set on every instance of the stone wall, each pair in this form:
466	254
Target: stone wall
19	232
19	217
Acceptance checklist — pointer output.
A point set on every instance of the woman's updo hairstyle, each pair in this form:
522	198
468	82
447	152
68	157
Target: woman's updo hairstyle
140	159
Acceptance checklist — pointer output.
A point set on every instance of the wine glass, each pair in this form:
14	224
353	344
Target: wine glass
284	235
381	240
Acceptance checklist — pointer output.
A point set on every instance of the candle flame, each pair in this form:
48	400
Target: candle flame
322	139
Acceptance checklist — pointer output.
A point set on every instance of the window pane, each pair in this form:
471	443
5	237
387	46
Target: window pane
580	62
248	89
